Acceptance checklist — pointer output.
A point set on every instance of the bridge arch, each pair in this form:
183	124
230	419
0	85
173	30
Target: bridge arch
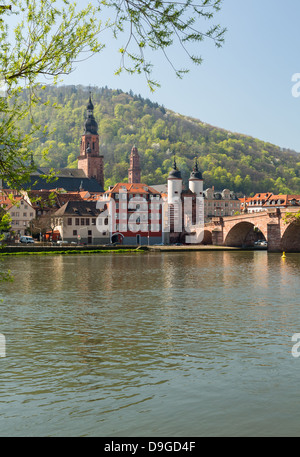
243	234
290	240
207	237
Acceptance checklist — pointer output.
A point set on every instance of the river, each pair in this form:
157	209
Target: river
171	344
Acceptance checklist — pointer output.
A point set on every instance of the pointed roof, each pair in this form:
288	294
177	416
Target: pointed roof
90	125
90	105
196	174
174	173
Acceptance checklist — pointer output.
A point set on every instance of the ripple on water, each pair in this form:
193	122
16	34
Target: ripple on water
189	344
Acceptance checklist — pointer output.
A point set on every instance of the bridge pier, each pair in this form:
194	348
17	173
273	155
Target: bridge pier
217	237
274	237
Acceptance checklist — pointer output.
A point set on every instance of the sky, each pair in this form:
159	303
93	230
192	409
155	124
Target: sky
245	87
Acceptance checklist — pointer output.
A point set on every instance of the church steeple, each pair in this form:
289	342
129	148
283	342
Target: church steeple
134	171
90	125
90	160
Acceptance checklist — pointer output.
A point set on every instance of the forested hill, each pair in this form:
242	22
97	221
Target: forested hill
226	159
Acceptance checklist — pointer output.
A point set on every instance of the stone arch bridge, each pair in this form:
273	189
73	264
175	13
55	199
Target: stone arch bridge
244	229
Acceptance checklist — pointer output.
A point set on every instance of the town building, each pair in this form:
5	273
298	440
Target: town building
21	212
81	222
135	213
220	203
264	201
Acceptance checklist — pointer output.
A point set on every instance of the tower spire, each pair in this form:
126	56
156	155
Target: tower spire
134	170
174	163
90	160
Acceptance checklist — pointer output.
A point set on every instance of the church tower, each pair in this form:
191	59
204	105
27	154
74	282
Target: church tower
134	171
90	160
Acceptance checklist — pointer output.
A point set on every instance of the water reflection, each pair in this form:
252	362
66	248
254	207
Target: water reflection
149	344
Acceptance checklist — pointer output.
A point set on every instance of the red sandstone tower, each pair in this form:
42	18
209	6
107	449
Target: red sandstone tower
90	160
134	171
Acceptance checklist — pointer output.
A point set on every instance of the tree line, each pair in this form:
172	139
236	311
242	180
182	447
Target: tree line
241	163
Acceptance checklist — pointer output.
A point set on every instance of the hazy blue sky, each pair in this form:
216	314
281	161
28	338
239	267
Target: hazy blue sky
245	87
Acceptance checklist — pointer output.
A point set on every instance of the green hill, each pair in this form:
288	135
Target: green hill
227	160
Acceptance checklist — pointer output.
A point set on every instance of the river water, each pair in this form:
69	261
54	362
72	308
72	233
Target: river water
184	344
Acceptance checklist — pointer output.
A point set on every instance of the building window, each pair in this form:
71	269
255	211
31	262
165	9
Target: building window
93	221
82	221
69	221
77	221
89	232
106	221
87	221
74	232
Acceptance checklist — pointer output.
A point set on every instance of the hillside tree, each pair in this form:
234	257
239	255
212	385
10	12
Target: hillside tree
43	40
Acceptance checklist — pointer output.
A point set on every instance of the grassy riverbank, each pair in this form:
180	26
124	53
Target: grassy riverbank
46	250
70	250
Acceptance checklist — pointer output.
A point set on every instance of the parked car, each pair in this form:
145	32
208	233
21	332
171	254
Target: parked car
261	243
26	240
60	242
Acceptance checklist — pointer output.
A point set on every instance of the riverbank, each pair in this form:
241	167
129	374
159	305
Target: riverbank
54	250
194	248
68	250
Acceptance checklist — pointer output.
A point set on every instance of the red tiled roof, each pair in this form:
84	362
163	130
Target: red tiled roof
134	188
